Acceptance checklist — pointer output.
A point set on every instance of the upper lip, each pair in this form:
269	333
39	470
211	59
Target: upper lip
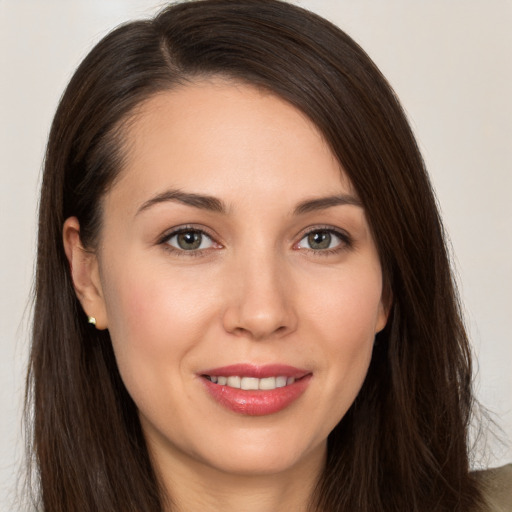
257	371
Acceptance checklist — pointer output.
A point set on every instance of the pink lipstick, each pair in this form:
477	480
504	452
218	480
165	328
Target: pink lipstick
256	390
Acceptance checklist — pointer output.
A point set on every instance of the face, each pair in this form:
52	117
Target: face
235	254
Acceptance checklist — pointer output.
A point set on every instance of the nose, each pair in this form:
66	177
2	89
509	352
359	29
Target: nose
260	304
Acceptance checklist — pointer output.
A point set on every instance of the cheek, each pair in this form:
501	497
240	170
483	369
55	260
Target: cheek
346	316
348	308
147	303
154	320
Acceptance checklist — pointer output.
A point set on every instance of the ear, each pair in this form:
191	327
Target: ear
386	302
85	273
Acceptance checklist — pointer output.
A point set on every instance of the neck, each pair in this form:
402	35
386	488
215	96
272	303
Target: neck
193	486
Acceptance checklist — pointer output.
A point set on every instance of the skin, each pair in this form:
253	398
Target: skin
257	291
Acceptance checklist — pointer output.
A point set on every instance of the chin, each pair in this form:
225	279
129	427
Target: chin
267	460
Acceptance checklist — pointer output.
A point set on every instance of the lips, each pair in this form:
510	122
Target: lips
256	390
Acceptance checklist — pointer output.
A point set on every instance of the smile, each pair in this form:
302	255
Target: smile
256	390
251	383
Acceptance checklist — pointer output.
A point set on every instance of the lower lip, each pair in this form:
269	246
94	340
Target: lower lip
257	402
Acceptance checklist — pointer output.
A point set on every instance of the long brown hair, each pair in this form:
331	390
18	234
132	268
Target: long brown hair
403	444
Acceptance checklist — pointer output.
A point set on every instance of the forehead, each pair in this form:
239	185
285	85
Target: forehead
221	137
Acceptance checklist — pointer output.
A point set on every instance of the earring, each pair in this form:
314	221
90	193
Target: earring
91	320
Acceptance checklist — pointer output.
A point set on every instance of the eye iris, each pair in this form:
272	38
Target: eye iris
319	240
189	240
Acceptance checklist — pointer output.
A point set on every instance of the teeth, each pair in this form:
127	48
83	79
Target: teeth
268	383
252	383
249	383
234	382
280	382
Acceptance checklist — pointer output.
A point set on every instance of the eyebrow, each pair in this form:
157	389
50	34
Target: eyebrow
210	203
322	203
203	202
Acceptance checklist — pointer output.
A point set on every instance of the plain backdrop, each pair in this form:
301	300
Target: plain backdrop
450	62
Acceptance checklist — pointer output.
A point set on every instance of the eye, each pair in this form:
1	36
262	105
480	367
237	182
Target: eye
189	240
323	239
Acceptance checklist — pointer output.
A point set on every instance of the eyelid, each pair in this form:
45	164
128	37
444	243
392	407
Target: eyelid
346	239
176	230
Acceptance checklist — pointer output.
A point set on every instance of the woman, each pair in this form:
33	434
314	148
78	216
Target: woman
243	297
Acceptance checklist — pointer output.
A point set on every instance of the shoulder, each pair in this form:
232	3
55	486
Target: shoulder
496	486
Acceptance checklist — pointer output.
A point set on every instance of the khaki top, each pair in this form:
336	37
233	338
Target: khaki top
496	487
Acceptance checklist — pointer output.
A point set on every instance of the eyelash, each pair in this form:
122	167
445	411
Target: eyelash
346	241
164	241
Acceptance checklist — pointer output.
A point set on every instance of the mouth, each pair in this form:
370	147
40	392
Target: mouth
256	390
